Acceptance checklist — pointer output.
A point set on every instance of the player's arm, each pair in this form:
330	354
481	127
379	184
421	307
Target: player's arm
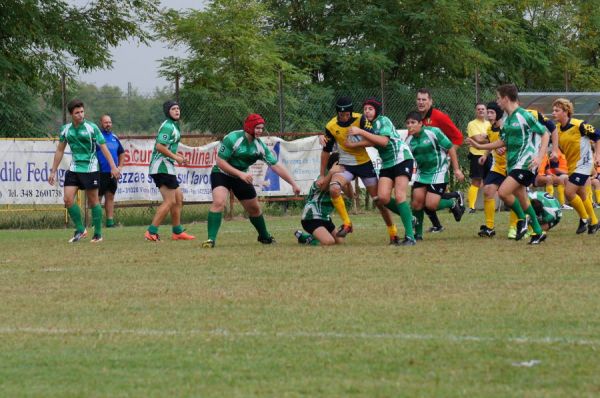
282	172
58	155
120	156
325	153
164	150
488	146
542	152
450	130
458	174
370	139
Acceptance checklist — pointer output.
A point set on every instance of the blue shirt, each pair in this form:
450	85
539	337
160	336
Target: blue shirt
114	147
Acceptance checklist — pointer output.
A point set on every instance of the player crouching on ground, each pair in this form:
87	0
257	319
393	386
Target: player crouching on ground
547	209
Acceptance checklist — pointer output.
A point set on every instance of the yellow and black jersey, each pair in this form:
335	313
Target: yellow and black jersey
337	133
574	140
544	121
499	161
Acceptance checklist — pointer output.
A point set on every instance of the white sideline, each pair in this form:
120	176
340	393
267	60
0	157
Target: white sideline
301	334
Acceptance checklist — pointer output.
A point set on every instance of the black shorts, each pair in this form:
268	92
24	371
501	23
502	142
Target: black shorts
523	177
437	189
477	170
311	225
578	179
494	178
107	184
168	180
82	180
401	169
241	190
365	170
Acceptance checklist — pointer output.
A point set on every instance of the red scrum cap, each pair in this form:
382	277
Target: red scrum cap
253	120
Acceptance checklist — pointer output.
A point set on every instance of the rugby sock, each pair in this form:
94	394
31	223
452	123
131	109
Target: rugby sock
513	219
597	194
537	229
406	216
393	206
446	204
588	191
178	229
561	194
550	189
419	224
260	225
472	196
75	214
579	207
153	229
589	209
314	241
392	230
304	237
340	207
489	208
214	223
450	195
97	219
110	222
516	207
433	218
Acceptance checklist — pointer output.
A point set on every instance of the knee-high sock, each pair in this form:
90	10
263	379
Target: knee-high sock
561	194
97	219
406	216
489	208
550	189
512	219
588	191
446	204
537	229
579	207
340	207
419	224
589	209
516	207
75	214
433	218
597	194
393	206
472	196
214	223
260	225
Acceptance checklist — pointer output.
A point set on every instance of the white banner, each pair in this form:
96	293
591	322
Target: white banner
25	166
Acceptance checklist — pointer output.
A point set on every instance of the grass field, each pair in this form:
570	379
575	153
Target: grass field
455	316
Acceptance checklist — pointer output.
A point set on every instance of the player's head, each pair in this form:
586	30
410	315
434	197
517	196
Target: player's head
562	107
254	124
505	94
494	112
76	110
333	159
372	108
105	123
413	121
424	100
171	110
344	107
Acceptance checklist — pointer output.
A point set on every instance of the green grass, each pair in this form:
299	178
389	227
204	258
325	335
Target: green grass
448	318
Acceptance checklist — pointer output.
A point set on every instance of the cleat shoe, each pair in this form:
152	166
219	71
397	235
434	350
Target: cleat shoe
182	236
96	239
457	211
512	233
344	230
592	229
596	205
151	237
299	235
472	211
486	232
566	207
418	237
537	239
208	244
395	240
436	230
77	236
521	229
266	241
583	226
408	241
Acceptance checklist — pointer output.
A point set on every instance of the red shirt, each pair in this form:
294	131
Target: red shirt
439	119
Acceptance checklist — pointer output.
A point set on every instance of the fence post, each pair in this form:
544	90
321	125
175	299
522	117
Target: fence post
281	116
382	83
63	89
177	76
477	92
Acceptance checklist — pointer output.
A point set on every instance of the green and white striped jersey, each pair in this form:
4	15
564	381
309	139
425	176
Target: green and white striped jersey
551	213
169	135
520	134
430	149
318	204
396	151
82	141
241	153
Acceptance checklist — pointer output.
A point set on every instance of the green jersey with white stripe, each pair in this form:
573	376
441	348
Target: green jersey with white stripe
551	214
396	151
318	204
430	149
82	141
520	134
241	153
169	135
